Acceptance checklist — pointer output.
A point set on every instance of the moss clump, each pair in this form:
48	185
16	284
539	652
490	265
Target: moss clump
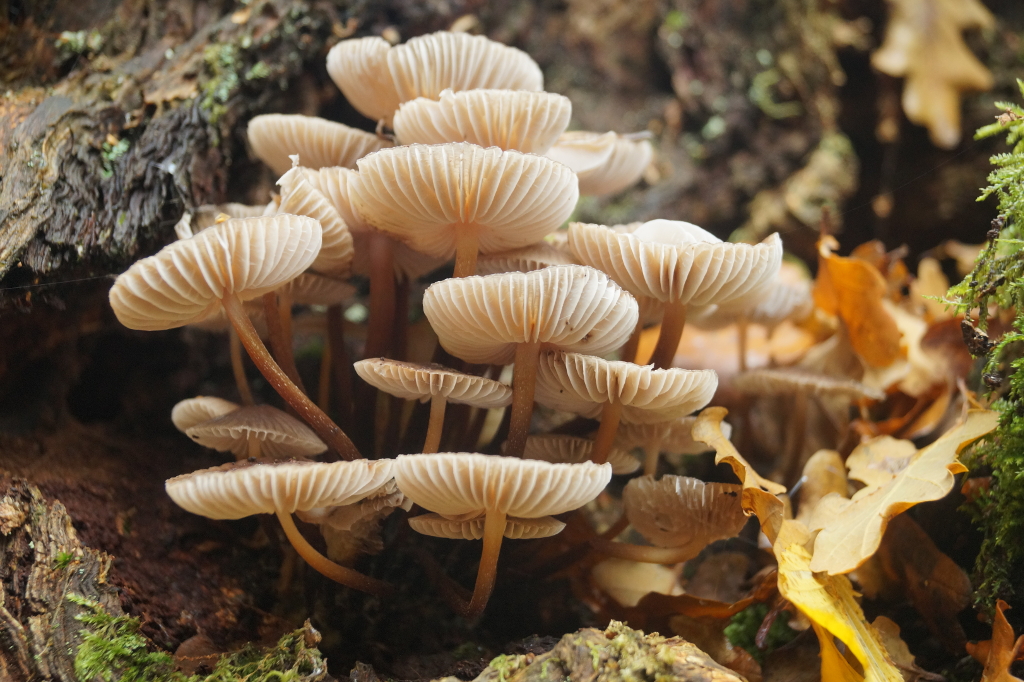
998	280
113	649
743	627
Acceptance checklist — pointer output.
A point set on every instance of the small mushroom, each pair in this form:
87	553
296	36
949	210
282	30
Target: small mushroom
438	384
672	437
462	199
592	386
679	515
527	259
438	526
275	138
190	279
513	316
679	264
191	411
240	489
605	163
570	450
461	486
255	432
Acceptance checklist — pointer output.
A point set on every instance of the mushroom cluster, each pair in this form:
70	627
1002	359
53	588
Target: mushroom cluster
472	163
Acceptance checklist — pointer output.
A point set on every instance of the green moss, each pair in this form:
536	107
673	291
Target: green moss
113	649
998	281
743	627
63	560
111	153
506	666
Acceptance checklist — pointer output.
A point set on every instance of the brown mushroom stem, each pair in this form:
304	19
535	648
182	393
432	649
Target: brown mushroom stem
467	245
741	331
524	381
433	439
611	413
323	388
237	366
382	295
671	331
280	340
651	453
252	446
328	431
628	351
644	553
339	574
341	364
615	530
790	465
494	533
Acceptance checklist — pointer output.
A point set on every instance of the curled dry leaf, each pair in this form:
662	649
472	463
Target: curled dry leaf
759	494
877	461
851	530
899	652
998	653
830	603
823	474
853	289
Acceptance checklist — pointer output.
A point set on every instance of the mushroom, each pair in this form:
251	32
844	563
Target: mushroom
438	384
275	138
605	163
509	119
255	432
461	486
679	264
592	386
679	515
438	526
191	411
462	199
240	489
300	197
376	78
525	259
570	450
672	437
514	316
190	279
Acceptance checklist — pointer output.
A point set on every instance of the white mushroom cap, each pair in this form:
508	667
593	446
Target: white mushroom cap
202	408
318	142
677	261
571	450
584	384
312	289
671	437
240	489
206	216
359	67
678	511
526	259
789	381
419	382
420	193
437	526
300	197
481	319
186	281
583	150
510	119
770	306
281	436
606	163
465	485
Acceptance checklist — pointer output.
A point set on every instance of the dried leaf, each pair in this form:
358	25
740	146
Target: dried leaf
854	290
830	604
1001	650
923	43
851	530
759	494
931	284
877	461
824	473
899	652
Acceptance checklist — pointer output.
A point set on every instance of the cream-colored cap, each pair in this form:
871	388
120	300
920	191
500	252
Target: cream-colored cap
788	381
462	485
606	163
582	150
584	384
209	215
676	261
359	67
312	289
438	526
672	437
300	197
481	319
420	193
281	436
570	450
318	142
186	281
419	382
510	119
777	302
526	259
240	489
187	413
678	511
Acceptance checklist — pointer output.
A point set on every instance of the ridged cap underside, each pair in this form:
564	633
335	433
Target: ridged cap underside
569	450
527	259
437	526
191	411
678	511
418	382
783	381
672	437
280	435
318	142
300	197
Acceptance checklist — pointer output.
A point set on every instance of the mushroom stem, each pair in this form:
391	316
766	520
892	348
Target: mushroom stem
252	446
382	295
741	332
789	467
341	364
651	453
241	381
644	553
616	528
433	439
524	381
628	351
467	245
339	574
323	388
280	340
671	331
328	431
610	415
494	532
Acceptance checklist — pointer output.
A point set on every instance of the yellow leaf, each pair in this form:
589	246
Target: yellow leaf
923	43
830	604
877	461
851	530
824	473
759	494
834	665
